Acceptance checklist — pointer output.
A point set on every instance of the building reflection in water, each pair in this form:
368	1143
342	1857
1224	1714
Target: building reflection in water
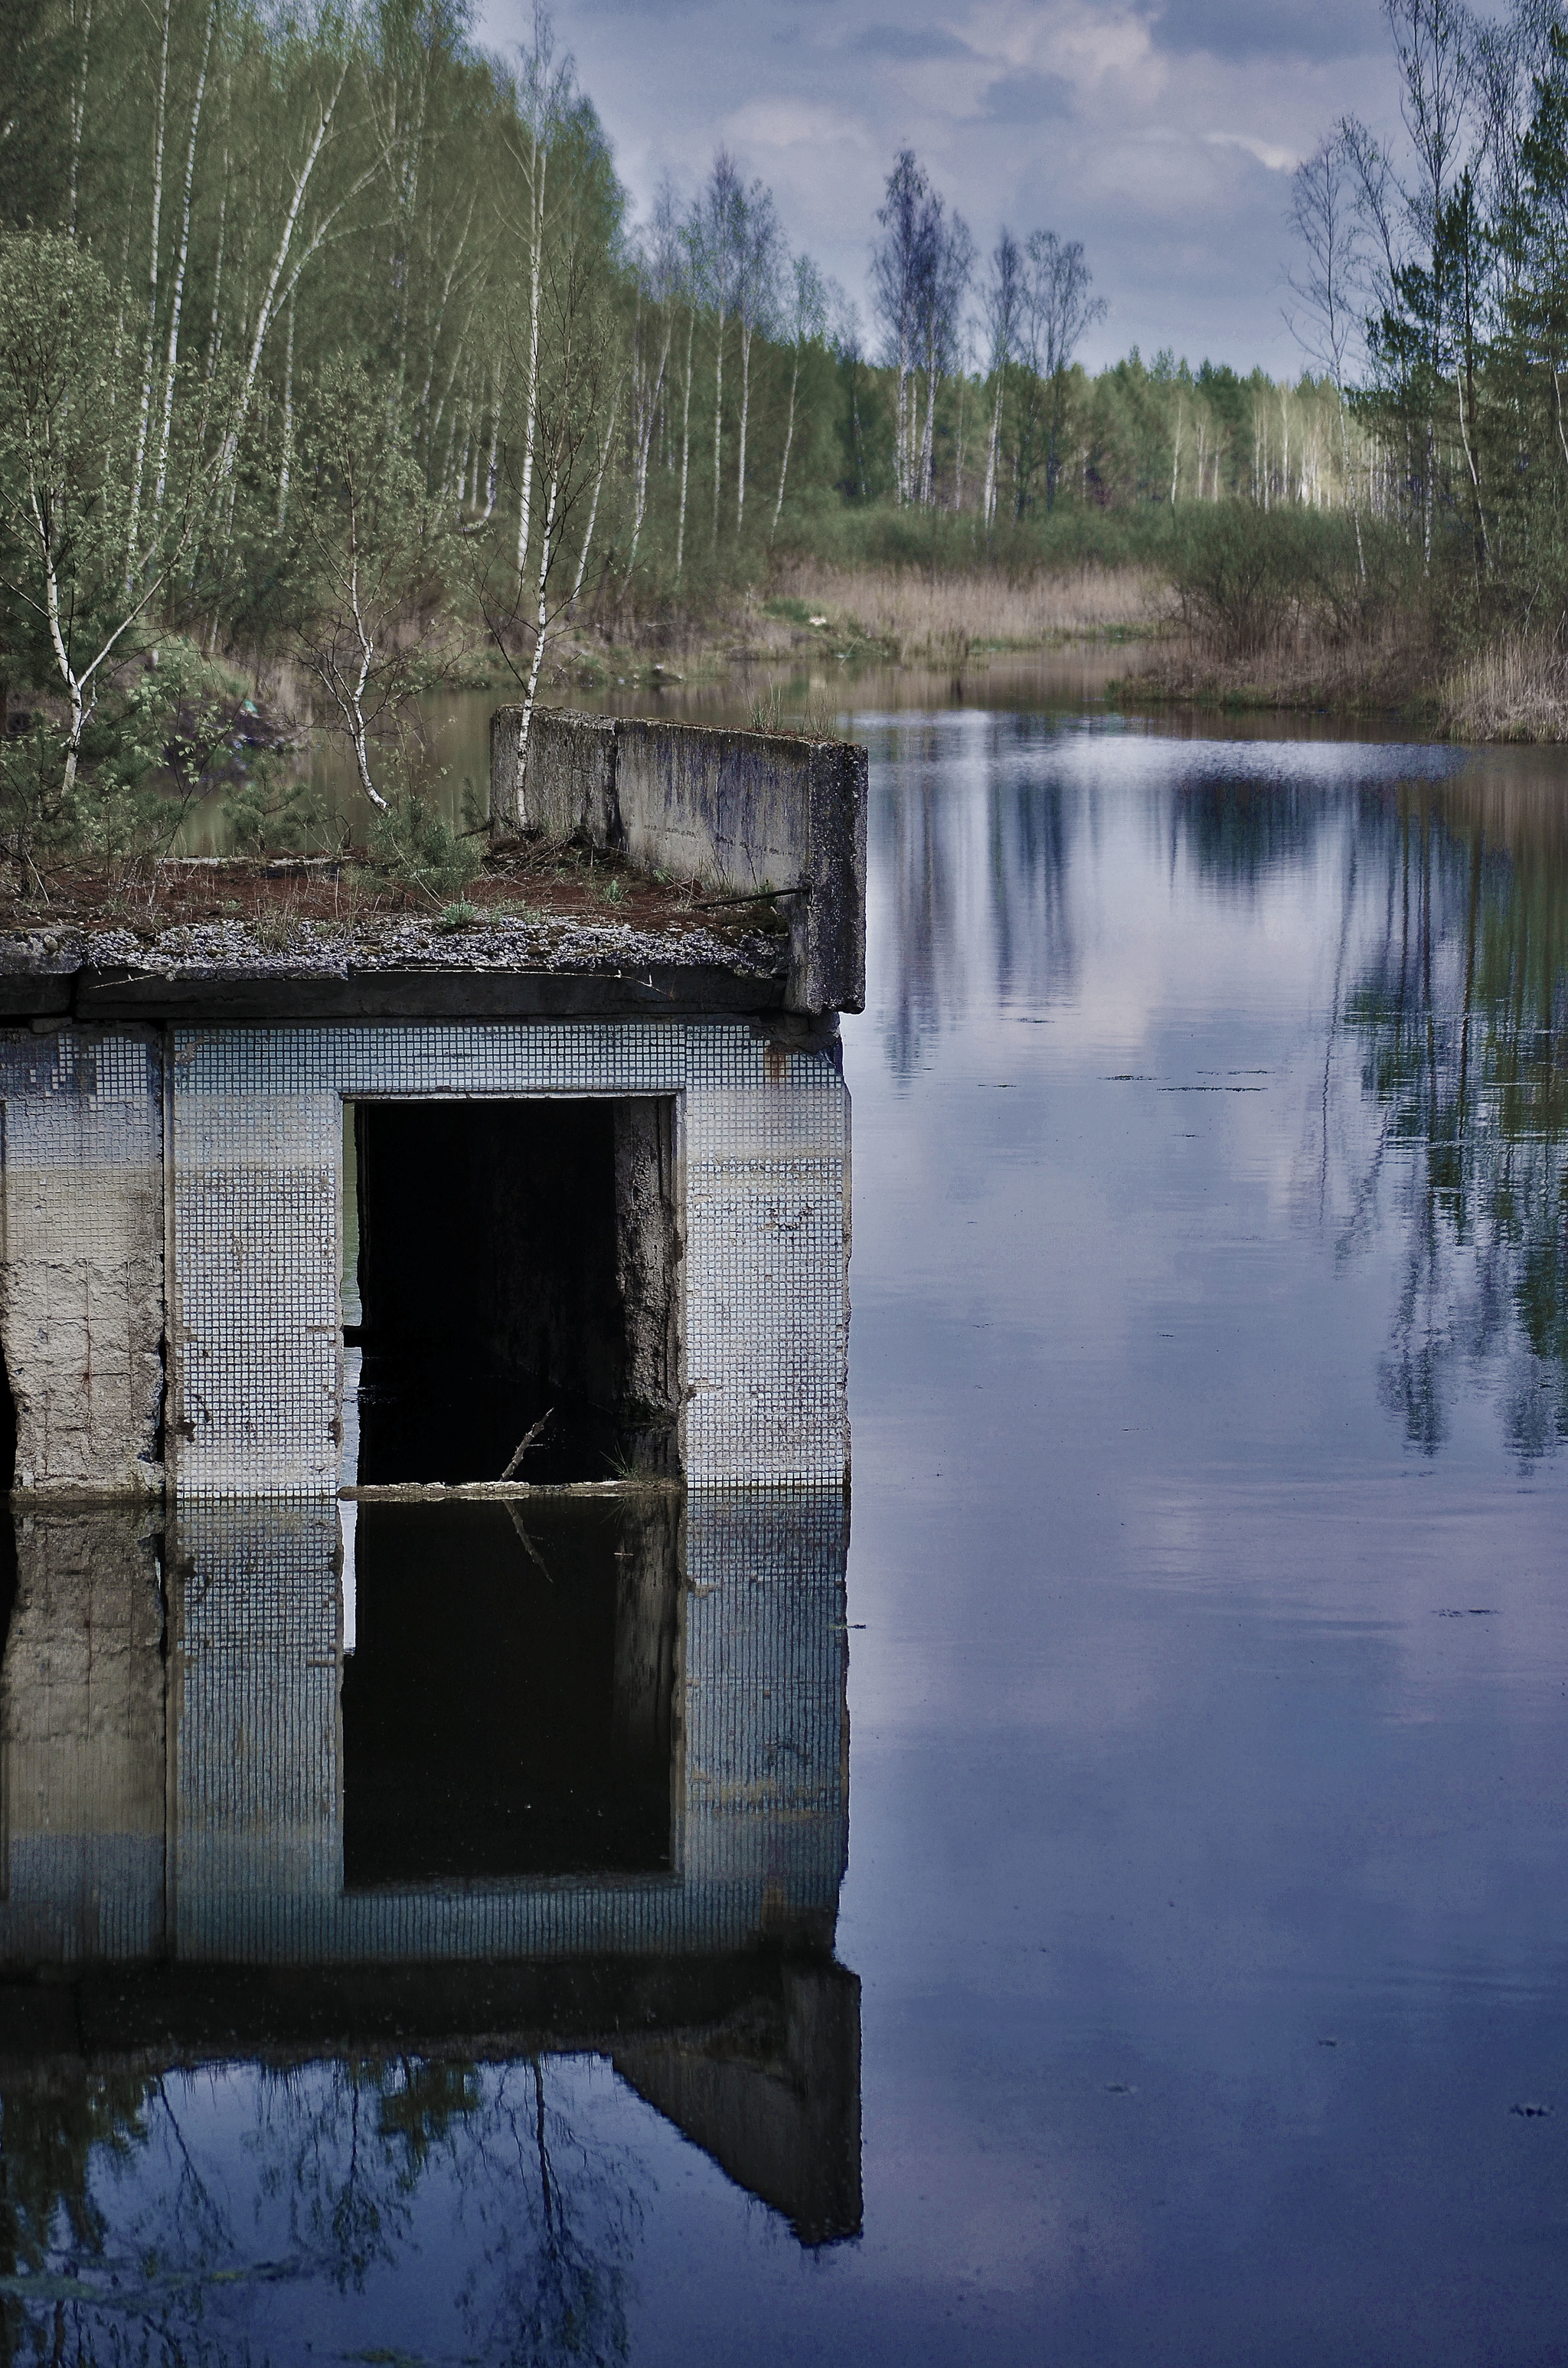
576	1781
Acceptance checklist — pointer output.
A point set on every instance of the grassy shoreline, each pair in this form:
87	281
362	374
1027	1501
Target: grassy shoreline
826	619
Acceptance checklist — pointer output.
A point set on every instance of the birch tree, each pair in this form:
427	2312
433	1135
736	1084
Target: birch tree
562	405
662	282
369	532
1328	282
807	323
543	99
719	243
1001	304
901	276
65	503
756	291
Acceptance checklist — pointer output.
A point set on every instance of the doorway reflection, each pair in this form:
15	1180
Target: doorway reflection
576	1798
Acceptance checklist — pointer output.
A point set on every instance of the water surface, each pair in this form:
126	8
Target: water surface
1206	1656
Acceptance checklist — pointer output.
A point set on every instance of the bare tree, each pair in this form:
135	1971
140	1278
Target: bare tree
1063	309
662	276
544	93
182	258
719	246
950	262
808	321
756	298
1329	281
567	434
1403	213
901	274
1002	307
1434	48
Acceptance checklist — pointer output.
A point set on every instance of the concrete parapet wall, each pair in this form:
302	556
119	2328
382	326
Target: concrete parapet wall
737	810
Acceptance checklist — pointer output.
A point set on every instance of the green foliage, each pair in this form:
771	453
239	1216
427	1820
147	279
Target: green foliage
1246	576
147	751
416	846
271	808
316	414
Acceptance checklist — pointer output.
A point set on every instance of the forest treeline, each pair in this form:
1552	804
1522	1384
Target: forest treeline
331	337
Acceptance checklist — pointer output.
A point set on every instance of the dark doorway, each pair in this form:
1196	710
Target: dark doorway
506	1708
517	1280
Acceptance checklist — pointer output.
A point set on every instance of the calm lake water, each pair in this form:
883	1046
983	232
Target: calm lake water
1206	1665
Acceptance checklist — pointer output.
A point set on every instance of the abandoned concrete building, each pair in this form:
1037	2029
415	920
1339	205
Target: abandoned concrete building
282	1236
608	1187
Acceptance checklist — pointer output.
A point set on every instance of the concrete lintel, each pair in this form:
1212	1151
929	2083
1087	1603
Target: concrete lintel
673	991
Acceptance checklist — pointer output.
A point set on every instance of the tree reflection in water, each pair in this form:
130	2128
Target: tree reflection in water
1458	1011
121	2238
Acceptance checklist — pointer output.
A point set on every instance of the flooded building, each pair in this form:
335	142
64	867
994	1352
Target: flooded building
294	1769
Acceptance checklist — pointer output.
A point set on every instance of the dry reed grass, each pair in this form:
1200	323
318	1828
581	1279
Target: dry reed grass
1515	690
1376	669
937	618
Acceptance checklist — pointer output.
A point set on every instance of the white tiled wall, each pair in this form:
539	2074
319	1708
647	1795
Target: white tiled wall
256	1360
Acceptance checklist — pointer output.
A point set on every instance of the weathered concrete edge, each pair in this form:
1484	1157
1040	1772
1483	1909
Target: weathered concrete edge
679	799
436	1492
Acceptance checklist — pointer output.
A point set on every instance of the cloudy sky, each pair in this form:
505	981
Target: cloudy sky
1161	133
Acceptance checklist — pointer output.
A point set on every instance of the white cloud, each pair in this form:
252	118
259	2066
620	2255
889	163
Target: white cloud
1277	159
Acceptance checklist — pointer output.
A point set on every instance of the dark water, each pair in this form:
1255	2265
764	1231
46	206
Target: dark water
1204	1649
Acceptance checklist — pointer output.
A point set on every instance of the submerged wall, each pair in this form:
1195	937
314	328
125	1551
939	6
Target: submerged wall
232	1718
179	1768
82	1741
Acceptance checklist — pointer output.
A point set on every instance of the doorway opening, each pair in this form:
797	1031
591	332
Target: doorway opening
515	1286
507	1709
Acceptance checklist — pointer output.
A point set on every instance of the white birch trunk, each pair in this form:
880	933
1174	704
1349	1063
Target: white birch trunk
746	403
438	324
957	451
176	295
928	440
789	440
684	441
144	419
79	112
989	504
594	505
717	417
491	465
214	338
536	241
644	440
270	297
286	457
541	627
